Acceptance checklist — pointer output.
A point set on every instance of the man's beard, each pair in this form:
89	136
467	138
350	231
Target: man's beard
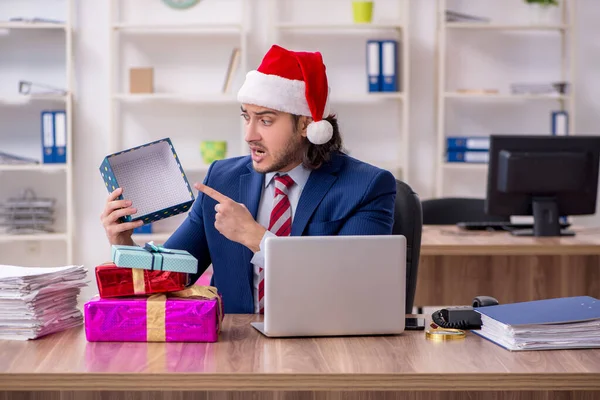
290	154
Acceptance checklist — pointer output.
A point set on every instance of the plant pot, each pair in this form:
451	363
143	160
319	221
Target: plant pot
362	11
213	150
540	14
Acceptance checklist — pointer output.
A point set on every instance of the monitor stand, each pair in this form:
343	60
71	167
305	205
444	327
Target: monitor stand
546	222
530	232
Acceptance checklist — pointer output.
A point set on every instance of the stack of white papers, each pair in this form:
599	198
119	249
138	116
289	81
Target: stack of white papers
35	302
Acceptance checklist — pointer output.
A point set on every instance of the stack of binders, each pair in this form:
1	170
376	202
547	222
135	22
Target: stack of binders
54	137
382	66
473	149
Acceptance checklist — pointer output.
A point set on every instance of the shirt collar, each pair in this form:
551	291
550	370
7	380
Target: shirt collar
299	174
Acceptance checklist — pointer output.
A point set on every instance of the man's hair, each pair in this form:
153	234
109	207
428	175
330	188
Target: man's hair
316	154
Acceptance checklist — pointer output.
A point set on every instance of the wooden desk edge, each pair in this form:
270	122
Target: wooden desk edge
298	382
508	250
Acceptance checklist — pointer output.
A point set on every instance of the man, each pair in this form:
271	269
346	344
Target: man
297	181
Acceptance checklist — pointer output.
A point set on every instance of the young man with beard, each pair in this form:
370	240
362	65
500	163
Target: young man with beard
297	181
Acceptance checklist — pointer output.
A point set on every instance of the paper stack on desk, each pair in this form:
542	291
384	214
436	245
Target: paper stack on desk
563	323
35	302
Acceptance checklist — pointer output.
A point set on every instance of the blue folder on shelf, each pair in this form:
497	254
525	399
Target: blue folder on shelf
60	137
562	323
374	65
461	156
559	123
389	66
472	143
48	148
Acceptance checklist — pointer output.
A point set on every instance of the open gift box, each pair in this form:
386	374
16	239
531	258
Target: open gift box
152	178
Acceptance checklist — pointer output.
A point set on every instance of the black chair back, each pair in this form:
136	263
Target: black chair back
452	210
408	221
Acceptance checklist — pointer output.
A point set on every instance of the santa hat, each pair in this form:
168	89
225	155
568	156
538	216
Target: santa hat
295	83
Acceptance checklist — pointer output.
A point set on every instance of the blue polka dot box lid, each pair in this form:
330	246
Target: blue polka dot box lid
152	178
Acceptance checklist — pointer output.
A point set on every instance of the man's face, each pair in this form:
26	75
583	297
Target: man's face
275	144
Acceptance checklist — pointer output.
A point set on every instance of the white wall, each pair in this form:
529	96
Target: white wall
92	102
587	98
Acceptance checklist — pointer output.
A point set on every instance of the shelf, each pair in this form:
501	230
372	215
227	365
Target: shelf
352	98
202	168
221	98
23	99
48	168
387	165
141	238
216	98
209	29
337	28
464	165
492	96
5	238
31	25
500	27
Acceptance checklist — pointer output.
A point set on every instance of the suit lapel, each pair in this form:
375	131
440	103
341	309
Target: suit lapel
317	186
250	190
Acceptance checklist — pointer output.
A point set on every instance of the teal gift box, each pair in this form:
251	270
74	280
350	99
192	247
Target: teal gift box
155	258
152	178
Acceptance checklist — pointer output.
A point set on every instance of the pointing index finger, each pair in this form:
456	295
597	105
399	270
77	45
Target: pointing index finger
212	193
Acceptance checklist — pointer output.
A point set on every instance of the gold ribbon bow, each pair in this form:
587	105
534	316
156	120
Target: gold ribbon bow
156	313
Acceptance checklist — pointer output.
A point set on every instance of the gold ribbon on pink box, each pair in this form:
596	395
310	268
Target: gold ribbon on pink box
156	309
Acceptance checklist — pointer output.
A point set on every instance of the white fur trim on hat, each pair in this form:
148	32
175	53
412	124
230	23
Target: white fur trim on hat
319	132
277	93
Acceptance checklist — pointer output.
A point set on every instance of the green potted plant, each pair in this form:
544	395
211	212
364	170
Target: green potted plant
541	11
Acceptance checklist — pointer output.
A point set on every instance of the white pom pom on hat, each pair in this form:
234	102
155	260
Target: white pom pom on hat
295	83
319	132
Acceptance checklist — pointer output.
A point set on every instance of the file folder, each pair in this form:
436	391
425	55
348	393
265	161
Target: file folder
473	143
47	121
374	65
543	312
389	66
468	156
60	137
560	123
561	323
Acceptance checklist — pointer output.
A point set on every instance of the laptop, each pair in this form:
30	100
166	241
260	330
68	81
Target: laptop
334	286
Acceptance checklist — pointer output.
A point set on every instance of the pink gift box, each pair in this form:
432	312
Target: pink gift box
189	315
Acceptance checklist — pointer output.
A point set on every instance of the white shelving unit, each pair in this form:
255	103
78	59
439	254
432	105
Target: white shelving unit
504	27
397	28
563	101
209	99
40	25
206	31
8	173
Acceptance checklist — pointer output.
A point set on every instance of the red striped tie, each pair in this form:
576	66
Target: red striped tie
280	223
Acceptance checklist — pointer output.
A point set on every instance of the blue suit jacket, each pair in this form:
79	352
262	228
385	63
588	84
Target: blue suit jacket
343	197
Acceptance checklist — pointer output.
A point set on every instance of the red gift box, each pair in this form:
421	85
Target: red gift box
116	281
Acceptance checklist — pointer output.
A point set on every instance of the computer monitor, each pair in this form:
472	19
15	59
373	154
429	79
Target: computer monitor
544	176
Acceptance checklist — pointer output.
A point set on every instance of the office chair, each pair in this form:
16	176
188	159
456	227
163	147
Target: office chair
452	210
408	221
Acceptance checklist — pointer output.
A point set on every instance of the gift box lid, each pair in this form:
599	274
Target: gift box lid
152	178
155	258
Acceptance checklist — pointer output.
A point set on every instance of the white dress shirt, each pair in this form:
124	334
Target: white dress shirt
300	176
